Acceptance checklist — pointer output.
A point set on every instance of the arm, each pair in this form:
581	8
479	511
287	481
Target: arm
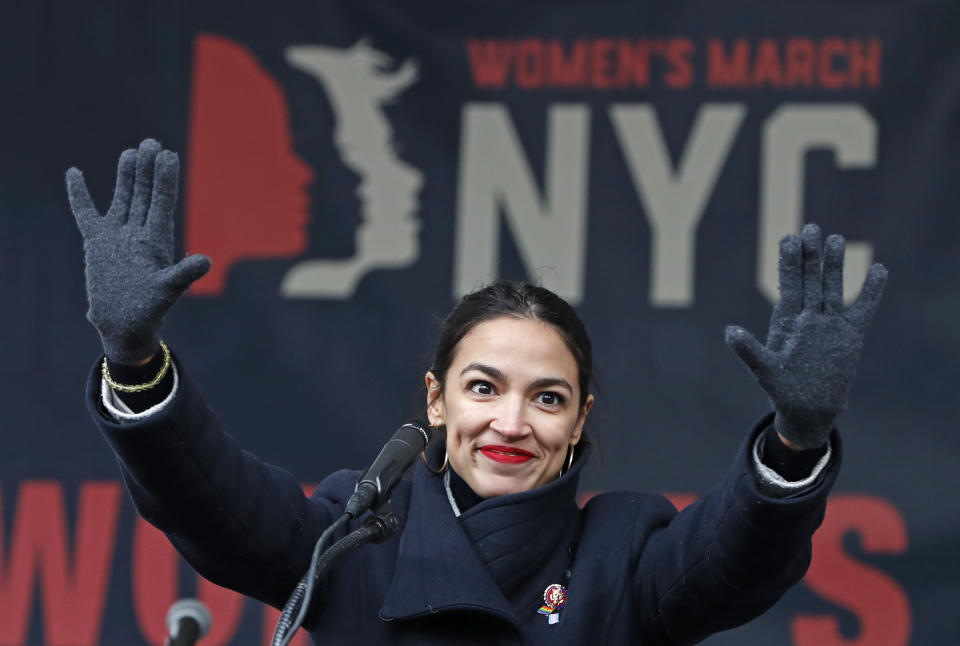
729	557
240	522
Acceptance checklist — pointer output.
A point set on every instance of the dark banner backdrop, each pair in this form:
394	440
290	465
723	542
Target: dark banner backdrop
353	167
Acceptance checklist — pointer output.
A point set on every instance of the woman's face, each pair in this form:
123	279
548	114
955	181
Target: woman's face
511	405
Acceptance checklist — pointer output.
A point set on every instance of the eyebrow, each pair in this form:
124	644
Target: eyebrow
496	373
549	382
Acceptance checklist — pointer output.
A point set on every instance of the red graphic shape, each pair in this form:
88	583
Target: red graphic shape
72	580
156	585
246	187
877	599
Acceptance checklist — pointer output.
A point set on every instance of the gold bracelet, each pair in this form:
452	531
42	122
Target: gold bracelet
153	383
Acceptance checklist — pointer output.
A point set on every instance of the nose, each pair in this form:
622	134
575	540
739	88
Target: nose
510	419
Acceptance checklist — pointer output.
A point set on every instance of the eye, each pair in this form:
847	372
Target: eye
550	398
481	387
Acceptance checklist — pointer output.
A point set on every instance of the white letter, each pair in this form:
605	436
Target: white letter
674	200
495	178
790	132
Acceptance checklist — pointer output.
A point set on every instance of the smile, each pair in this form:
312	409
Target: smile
505	454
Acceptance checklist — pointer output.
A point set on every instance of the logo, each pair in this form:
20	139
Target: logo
246	187
530	167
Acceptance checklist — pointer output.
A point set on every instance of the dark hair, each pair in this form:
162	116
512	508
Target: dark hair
517	300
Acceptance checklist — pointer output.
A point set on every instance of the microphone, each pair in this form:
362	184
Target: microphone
187	621
379	479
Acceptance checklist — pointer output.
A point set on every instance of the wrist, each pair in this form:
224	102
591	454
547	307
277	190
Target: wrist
135	373
803	433
793	446
140	377
131	352
784	471
151	359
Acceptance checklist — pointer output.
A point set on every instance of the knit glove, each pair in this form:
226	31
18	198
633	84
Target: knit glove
809	360
131	278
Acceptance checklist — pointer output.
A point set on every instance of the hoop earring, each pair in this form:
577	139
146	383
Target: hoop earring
569	462
443	467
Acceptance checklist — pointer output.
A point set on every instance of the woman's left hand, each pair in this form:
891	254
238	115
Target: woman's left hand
810	357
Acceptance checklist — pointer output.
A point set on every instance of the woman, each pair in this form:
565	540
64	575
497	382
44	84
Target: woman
493	548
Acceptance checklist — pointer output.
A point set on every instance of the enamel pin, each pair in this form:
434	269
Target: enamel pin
553	599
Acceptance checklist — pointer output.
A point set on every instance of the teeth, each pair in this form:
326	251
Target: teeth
506	452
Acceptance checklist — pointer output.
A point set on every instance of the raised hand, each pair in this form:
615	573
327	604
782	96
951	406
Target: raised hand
810	357
132	279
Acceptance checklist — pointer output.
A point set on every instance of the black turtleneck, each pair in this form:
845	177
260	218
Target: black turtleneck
462	493
525	539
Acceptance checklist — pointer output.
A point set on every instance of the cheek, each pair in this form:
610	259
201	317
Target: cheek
466	427
459	418
466	422
557	436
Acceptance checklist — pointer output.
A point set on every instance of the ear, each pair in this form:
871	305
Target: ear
578	429
434	400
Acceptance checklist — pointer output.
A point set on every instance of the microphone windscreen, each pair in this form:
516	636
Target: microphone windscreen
192	608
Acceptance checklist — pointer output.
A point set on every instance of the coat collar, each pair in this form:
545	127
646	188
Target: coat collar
444	562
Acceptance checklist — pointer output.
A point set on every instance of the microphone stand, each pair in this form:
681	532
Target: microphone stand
373	486
379	526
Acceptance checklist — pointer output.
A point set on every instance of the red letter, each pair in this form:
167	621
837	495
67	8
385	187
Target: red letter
567	72
727	72
679	74
766	64
156	585
531	63
799	62
865	66
73	590
600	63
878	601
829	77
490	61
633	63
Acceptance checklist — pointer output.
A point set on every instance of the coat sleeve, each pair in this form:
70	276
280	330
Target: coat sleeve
240	522
730	556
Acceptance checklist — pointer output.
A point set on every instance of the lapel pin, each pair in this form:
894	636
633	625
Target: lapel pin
553	599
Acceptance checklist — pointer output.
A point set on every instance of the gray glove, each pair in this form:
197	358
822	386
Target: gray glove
808	363
131	278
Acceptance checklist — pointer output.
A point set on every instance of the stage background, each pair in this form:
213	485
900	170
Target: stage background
351	167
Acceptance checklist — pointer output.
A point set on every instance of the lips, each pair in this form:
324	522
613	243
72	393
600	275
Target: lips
506	454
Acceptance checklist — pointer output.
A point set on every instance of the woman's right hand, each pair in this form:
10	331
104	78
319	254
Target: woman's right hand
129	252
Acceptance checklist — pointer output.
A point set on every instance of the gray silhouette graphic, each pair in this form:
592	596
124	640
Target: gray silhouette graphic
359	83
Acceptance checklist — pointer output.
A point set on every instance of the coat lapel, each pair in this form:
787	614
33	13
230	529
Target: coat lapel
437	568
507	543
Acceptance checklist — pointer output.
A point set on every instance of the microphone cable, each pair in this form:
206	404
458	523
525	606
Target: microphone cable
377	528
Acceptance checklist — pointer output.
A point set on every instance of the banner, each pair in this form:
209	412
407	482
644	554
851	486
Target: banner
352	168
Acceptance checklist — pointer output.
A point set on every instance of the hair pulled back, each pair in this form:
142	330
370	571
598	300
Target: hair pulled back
517	300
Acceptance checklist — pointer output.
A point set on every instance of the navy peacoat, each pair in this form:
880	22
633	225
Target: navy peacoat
639	572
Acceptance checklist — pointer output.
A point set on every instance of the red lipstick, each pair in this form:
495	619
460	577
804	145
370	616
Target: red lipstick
505	454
